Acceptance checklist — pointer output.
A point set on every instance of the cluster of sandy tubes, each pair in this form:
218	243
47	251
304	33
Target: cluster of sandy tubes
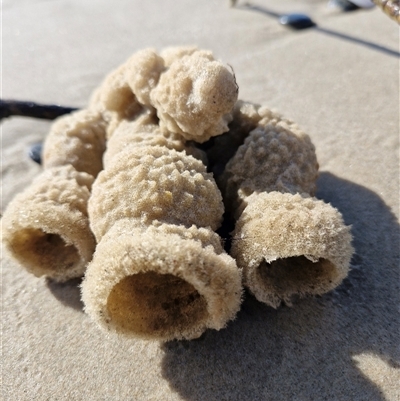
140	218
46	227
191	93
288	243
159	270
37	220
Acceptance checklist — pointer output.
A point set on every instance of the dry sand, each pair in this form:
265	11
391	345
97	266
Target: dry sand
340	83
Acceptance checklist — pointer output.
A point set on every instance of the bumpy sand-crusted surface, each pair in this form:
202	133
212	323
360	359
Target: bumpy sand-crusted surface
287	243
339	83
143	71
164	185
161	281
116	95
46	227
173	53
291	246
273	158
78	140
143	131
192	92
246	117
195	96
150	176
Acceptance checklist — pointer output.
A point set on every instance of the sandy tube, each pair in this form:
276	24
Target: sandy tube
76	139
114	100
288	243
154	183
291	246
246	117
46	227
275	157
157	248
161	282
195	96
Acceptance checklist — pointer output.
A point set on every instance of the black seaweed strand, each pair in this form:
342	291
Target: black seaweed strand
10	108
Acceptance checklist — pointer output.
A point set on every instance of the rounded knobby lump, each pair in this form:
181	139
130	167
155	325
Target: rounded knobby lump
125	92
143	71
114	100
155	183
46	227
246	116
195	96
77	139
275	157
115	96
287	242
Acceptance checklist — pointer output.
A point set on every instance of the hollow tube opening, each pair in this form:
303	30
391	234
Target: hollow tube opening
297	275
43	252
155	305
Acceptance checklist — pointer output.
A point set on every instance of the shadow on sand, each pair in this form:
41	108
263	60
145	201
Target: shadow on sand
67	293
306	352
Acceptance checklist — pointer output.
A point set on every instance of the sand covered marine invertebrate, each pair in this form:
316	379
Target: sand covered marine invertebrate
246	116
195	96
167	185
192	93
159	270
287	242
77	139
46	227
173	205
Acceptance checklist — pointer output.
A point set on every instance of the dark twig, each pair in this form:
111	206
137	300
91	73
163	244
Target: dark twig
10	108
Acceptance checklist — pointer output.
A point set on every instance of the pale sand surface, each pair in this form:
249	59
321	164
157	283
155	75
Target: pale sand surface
340	83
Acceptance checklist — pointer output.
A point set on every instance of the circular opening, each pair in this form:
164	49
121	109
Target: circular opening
43	252
297	275
155	305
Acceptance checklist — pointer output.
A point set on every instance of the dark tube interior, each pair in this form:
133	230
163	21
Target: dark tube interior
43	252
155	305
297	275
